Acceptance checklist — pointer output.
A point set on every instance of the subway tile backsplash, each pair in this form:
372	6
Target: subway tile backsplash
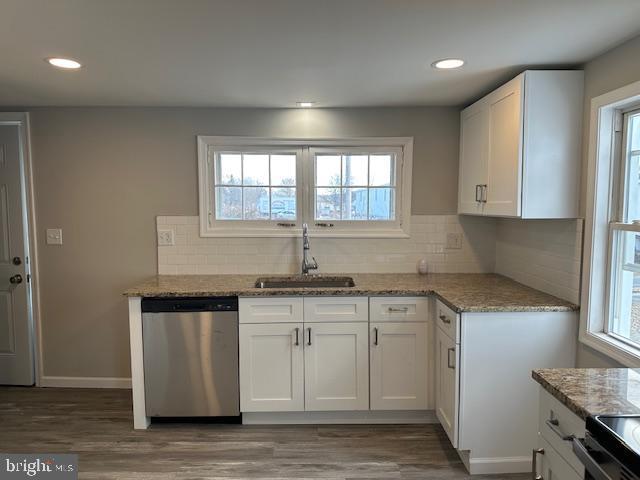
193	254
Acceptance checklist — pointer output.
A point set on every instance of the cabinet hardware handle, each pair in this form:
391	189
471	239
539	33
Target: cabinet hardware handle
478	197
375	336
483	196
284	224
449	350
398	309
324	224
297	337
444	319
309	330
534	463
554	425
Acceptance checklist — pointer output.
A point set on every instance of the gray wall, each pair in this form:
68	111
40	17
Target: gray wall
103	174
613	69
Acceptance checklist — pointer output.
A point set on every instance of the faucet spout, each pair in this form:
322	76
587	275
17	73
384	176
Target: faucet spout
306	263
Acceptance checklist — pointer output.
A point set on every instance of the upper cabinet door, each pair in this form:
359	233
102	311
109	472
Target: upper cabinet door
336	363
503	191
473	159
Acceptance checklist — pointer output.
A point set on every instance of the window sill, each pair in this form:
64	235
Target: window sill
297	232
611	347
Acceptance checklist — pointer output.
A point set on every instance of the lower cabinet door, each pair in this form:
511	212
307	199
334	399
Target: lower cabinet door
549	465
271	367
336	362
398	353
447	384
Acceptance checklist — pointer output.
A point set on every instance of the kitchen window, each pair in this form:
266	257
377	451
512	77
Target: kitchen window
610	296
269	187
624	257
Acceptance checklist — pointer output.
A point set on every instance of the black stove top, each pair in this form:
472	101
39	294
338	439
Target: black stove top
620	436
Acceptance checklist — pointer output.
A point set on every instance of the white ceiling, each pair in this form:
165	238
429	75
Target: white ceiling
272	53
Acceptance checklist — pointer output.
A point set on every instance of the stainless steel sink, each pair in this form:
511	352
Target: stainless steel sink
304	281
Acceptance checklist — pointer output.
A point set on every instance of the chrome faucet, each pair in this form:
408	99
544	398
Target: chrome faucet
306	263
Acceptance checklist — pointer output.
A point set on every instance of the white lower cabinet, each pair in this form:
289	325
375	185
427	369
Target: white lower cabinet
550	465
447	384
398	358
336	364
271	367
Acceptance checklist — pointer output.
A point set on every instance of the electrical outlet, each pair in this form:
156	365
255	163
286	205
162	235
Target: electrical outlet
166	238
454	241
54	236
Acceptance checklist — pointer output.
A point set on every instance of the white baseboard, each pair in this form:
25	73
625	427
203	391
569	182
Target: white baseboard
498	465
85	382
327	418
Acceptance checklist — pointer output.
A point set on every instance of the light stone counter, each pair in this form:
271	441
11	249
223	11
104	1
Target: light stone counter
464	292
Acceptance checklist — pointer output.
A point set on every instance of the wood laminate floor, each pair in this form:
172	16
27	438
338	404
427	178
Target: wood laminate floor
97	425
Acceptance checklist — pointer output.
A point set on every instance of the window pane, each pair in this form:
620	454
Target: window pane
634	132
382	204
229	203
626	275
283	203
256	203
283	169
633	188
381	170
355	170
229	169
255	169
354	204
327	204
327	170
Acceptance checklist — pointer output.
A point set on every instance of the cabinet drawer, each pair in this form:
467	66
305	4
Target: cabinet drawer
553	465
399	309
336	309
555	421
270	309
447	320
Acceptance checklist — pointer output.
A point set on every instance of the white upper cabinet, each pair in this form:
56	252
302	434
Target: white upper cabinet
520	148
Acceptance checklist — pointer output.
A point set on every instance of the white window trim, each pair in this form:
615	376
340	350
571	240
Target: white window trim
400	229
605	110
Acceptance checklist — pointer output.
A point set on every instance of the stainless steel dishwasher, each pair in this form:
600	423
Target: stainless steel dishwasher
191	357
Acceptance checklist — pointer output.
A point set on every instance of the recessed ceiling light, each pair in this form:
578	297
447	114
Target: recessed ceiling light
66	63
447	63
305	104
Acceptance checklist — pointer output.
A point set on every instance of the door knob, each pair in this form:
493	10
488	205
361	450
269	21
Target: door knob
16	279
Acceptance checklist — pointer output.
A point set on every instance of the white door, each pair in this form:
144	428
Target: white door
16	336
447	387
505	146
271	367
336	363
398	366
474	143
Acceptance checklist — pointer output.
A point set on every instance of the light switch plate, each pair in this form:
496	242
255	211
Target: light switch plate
54	236
166	237
454	241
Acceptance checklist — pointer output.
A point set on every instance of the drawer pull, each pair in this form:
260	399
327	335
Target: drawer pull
309	330
297	337
445	319
398	309
534	458
554	425
375	338
449	352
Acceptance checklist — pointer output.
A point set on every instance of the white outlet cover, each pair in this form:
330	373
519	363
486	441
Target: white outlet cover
54	236
166	237
454	241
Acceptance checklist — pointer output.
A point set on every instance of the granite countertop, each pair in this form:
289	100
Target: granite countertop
593	391
464	292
